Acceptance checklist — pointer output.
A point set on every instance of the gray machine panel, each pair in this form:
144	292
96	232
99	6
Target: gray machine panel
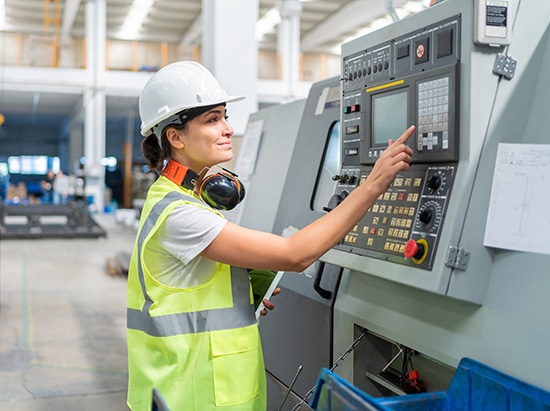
406	305
299	332
265	186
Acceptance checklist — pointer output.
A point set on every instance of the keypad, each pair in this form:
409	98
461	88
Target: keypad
433	114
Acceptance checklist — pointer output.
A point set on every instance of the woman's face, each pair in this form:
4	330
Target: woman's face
206	140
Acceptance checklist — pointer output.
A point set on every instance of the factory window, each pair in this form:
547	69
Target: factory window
330	165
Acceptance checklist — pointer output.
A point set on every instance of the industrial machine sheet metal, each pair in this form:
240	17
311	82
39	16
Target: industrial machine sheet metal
426	70
406	301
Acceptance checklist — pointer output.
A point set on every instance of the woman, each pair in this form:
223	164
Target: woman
192	332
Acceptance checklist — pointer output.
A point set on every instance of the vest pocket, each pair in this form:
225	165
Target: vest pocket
235	362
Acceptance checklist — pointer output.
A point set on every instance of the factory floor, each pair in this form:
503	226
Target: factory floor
62	322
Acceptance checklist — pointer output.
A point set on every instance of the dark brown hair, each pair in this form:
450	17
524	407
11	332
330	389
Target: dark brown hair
153	153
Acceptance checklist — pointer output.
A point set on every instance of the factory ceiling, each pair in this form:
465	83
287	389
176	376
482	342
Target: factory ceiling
324	26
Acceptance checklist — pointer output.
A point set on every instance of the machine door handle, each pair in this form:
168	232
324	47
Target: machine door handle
327	294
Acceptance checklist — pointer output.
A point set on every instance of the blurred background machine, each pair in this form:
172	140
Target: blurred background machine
452	261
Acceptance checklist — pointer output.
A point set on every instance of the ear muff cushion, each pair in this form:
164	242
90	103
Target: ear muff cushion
222	191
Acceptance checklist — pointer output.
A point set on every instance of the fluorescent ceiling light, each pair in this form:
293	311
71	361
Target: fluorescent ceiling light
135	18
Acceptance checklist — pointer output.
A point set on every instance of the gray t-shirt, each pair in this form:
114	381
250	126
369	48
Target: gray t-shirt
186	232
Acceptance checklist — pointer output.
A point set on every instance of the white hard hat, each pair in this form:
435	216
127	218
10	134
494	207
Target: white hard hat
176	87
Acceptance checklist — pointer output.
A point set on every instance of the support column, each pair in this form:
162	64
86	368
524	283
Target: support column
288	44
230	52
94	102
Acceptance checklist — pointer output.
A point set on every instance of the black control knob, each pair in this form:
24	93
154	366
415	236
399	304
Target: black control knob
335	200
434	182
426	216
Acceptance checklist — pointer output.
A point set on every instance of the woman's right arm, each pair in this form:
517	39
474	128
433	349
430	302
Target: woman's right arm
243	247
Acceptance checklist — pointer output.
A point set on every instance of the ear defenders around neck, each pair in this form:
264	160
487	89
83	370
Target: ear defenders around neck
221	191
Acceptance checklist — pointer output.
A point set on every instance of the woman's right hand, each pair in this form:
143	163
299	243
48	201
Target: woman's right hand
395	158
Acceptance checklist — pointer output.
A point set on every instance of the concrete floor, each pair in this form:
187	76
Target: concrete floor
62	323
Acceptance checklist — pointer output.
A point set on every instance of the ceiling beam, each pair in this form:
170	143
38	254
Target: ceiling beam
193	35
353	16
69	14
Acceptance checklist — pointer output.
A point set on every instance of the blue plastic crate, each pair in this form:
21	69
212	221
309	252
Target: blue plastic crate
474	387
333	393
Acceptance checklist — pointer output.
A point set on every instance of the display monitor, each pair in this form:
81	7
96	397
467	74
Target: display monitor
389	116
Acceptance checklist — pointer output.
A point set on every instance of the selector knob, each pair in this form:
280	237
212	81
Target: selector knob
335	200
434	182
345	179
426	216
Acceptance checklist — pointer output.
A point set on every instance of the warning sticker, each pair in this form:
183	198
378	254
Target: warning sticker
497	16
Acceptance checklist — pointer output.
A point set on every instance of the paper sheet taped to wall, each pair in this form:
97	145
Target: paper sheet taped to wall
518	216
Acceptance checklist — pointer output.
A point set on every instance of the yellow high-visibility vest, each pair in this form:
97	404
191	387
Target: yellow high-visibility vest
199	346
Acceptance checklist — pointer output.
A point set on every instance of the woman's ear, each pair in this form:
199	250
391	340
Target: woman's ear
174	137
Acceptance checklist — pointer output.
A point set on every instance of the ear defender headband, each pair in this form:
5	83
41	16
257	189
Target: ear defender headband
221	191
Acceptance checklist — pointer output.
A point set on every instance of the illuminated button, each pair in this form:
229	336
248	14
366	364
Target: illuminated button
355	108
347	110
373	231
401	196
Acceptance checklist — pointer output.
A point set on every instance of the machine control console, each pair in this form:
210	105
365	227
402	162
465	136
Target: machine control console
404	223
410	79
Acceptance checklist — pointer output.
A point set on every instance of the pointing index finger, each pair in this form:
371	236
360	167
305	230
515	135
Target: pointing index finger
405	136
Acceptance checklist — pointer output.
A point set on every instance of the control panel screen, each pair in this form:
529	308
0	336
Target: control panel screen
389	116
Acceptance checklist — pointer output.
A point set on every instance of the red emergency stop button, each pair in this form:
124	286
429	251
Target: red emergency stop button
417	250
411	249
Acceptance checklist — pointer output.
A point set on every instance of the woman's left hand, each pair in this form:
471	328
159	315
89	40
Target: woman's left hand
268	304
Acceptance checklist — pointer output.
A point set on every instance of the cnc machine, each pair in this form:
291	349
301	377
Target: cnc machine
428	279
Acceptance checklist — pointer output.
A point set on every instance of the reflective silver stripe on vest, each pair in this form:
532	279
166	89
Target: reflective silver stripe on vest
241	314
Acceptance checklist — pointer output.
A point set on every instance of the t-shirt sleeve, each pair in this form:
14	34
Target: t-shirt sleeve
189	229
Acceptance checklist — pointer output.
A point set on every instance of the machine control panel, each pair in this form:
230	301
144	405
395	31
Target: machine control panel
406	220
411	79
